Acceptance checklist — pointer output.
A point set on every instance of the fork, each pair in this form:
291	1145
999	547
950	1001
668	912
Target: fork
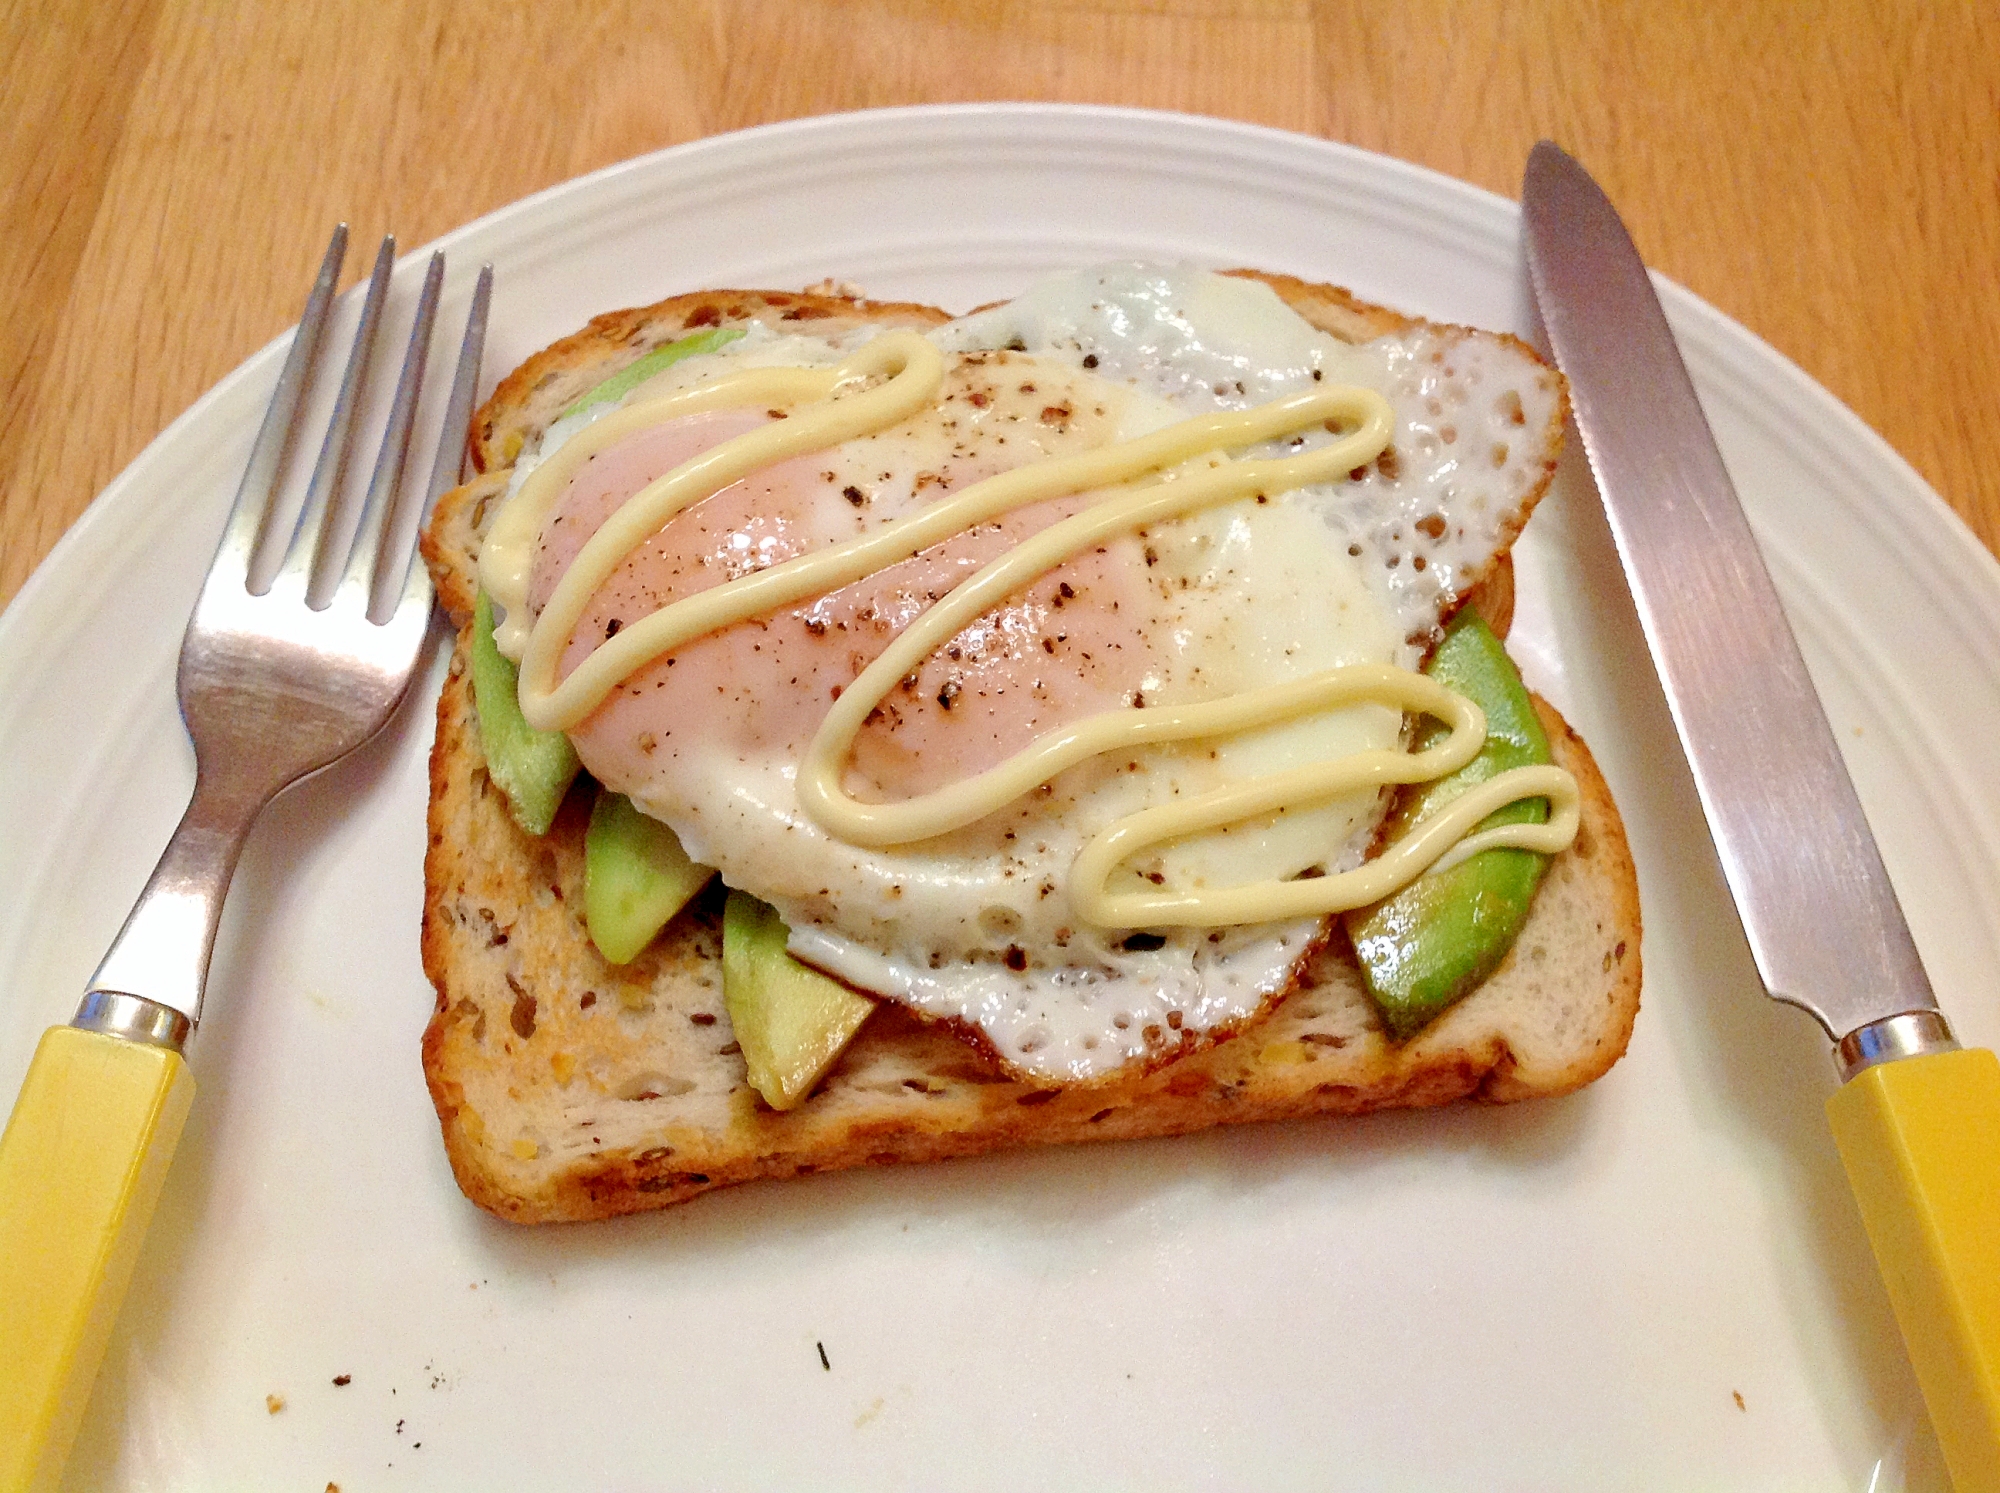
301	645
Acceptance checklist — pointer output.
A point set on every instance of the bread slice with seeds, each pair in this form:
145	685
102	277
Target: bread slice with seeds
570	1089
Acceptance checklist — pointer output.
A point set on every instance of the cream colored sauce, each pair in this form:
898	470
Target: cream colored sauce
1179	470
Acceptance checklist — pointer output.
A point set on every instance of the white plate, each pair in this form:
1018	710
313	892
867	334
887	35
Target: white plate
1566	1294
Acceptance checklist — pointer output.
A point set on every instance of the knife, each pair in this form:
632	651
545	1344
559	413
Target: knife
1917	1117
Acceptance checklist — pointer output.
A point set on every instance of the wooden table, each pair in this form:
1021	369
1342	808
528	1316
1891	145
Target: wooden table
1827	173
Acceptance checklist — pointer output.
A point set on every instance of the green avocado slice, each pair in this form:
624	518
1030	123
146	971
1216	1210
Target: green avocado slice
533	768
791	1021
1428	945
635	877
626	379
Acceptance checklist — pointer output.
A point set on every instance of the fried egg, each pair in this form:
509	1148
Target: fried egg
976	926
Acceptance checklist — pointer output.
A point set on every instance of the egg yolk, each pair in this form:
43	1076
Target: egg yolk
1072	644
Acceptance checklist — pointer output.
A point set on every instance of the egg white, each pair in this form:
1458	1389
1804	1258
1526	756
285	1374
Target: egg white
976	926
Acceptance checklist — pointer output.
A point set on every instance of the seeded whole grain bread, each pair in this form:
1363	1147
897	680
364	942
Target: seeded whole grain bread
571	1089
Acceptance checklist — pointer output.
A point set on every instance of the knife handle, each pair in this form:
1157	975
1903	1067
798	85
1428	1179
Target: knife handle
81	1166
1920	1137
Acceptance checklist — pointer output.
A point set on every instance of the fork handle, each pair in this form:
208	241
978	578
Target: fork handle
81	1166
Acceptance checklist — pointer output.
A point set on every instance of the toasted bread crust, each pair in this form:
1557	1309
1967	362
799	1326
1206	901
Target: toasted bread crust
570	1089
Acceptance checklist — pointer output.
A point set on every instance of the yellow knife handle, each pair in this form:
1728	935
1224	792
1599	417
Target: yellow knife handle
81	1165
1920	1137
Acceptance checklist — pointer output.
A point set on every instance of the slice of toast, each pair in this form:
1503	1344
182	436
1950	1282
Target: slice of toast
568	1088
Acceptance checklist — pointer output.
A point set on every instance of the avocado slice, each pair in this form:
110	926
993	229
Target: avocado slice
533	768
791	1021
1429	944
635	877
626	379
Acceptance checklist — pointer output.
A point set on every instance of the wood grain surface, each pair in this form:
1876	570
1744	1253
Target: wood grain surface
1827	173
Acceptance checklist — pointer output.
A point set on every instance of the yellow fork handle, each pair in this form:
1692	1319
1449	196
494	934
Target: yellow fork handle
1920	1137
81	1166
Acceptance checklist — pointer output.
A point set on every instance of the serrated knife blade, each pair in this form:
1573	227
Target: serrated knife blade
1917	1119
1821	917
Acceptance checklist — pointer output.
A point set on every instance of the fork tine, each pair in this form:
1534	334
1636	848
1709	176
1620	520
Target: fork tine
244	534
394	587
450	463
386	480
309	560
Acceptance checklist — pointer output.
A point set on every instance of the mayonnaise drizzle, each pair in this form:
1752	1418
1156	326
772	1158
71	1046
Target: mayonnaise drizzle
887	381
916	368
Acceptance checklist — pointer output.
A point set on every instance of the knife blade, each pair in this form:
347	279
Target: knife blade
1817	907
1917	1119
